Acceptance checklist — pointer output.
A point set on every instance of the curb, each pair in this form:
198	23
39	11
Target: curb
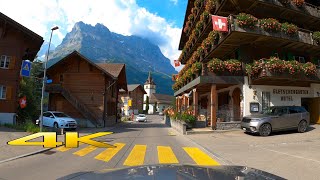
26	155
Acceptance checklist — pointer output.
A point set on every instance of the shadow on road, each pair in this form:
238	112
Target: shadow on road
279	133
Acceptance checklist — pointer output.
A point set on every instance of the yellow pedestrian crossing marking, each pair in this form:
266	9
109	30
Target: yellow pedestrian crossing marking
138	152
166	155
171	133
85	151
200	157
108	154
136	156
63	148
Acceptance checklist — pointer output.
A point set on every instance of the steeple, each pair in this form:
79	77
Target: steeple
150	80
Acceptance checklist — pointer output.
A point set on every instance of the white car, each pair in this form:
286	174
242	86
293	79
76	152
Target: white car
141	118
58	120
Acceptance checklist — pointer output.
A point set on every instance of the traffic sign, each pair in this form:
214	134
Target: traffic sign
26	68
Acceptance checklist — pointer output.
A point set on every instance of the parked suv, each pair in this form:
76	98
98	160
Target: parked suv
277	118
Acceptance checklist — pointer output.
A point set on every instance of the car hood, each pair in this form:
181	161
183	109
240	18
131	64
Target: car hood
177	172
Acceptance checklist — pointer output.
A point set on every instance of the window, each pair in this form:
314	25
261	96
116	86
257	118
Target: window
60	115
61	77
265	100
294	110
301	59
5	61
3	92
46	114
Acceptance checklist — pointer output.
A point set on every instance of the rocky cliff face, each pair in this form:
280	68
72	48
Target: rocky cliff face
100	45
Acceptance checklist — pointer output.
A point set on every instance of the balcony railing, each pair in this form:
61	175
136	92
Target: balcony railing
308	8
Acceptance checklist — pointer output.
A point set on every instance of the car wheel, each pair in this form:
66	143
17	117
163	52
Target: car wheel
265	129
55	125
302	127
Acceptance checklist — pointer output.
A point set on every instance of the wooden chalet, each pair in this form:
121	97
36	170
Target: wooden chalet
85	90
135	94
17	43
228	75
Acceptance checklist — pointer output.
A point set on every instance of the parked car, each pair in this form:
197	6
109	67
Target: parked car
58	120
277	118
141	118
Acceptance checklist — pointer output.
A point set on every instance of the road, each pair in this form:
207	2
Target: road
137	144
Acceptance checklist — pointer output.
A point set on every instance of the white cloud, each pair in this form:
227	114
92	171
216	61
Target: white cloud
120	16
175	2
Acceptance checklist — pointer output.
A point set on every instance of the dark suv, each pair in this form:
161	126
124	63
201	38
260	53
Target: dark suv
277	118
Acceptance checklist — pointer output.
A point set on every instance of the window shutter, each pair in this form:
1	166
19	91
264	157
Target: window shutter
12	62
9	92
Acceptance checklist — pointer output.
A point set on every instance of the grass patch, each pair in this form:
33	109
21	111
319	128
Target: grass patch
27	127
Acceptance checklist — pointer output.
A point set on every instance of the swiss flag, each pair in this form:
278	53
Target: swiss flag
220	23
177	63
23	102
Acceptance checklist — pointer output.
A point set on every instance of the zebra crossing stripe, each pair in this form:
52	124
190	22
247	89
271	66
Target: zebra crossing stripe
108	154
136	156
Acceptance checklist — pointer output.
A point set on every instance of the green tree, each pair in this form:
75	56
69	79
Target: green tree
31	88
155	107
147	104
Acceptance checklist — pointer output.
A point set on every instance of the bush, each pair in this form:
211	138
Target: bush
188	118
298	3
289	29
316	36
270	24
246	20
27	127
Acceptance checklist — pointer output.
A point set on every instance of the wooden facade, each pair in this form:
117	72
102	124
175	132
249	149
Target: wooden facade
17	43
135	93
86	90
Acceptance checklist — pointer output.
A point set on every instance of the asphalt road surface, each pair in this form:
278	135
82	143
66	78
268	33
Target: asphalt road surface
138	143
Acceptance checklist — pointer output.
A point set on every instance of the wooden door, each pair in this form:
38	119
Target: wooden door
314	110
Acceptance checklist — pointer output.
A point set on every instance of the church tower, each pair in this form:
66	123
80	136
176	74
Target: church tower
149	87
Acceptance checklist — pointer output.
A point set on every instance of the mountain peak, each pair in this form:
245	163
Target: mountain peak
139	54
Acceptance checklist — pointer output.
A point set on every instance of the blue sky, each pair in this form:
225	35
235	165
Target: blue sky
160	21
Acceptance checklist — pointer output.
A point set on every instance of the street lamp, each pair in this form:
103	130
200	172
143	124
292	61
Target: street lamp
44	78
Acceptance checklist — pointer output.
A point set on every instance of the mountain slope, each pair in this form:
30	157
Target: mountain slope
100	45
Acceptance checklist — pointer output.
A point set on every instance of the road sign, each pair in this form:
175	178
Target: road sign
130	102
49	81
26	68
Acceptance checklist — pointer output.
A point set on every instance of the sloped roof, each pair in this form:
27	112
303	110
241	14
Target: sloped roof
132	87
150	80
35	40
114	69
161	98
117	71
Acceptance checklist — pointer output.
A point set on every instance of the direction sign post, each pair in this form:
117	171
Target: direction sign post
26	68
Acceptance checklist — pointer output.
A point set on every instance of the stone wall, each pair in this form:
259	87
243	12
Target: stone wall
228	125
178	125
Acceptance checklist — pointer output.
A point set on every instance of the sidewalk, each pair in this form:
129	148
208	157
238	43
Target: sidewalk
14	152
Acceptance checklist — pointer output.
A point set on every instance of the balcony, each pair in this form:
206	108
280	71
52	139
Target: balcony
258	38
306	16
278	72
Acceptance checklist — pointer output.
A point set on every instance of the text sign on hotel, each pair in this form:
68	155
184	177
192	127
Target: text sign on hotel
290	91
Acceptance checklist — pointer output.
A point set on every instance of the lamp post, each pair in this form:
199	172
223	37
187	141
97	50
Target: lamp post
44	78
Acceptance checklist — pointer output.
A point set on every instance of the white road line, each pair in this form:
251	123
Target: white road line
300	157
